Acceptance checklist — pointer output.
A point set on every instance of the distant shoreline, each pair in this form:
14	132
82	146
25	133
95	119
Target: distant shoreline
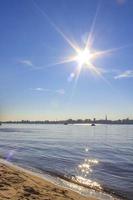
67	122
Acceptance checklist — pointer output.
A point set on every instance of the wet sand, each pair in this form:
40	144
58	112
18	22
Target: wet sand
16	184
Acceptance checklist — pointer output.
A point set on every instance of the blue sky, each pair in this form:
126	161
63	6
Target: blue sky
33	87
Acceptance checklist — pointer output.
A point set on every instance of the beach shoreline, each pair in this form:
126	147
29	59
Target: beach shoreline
19	184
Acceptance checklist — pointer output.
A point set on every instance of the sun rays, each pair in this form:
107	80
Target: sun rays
82	57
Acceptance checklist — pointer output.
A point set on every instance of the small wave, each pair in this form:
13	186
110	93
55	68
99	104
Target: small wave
86	183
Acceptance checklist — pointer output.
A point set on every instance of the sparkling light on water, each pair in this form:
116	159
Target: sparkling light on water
84	170
88	182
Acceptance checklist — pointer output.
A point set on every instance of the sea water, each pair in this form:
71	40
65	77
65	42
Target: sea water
100	157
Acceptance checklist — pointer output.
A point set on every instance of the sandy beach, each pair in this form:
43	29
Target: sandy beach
17	184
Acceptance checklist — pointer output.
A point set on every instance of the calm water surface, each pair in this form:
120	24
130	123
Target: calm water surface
100	156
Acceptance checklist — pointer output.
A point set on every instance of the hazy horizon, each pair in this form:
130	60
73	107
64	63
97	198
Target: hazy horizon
63	119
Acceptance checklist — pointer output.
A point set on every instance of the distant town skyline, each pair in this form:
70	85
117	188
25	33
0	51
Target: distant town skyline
66	59
93	121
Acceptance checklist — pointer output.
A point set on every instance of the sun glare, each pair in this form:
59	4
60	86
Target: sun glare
83	57
86	56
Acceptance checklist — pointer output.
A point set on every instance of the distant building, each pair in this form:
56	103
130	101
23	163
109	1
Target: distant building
106	119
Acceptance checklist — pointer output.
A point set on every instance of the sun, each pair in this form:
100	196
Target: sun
83	57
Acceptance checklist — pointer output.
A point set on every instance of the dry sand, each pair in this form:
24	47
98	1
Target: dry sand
16	184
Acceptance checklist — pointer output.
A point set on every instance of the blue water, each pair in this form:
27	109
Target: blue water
102	154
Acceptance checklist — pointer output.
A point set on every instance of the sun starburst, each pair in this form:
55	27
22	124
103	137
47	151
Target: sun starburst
83	57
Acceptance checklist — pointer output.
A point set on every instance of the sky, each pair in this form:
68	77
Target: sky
36	35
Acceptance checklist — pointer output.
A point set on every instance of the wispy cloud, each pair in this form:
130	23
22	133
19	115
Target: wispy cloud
59	91
26	62
121	2
30	64
40	89
125	74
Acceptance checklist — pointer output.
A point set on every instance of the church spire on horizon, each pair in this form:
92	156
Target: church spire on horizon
106	119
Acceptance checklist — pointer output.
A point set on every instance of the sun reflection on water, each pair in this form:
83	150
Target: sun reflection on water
84	170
